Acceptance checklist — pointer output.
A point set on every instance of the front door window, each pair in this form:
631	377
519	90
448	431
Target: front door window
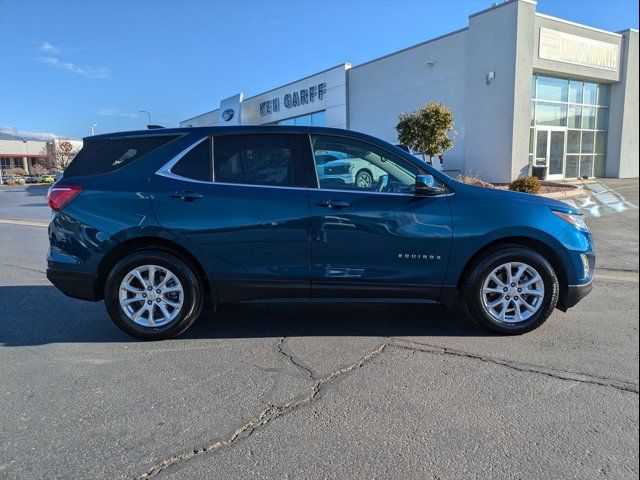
347	164
556	153
550	151
542	142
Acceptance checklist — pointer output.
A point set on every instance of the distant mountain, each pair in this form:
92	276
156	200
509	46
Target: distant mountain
9	133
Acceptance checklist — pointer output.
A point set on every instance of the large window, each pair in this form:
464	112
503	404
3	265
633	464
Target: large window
583	108
254	159
317	119
346	164
102	155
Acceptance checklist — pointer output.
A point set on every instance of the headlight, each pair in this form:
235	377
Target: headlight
575	219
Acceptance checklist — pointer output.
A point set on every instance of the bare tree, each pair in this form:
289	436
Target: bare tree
38	168
59	155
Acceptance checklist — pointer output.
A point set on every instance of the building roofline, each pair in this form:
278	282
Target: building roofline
498	5
300	79
435	39
347	64
581	25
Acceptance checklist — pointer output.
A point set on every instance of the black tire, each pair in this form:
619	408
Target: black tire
366	178
192	286
473	286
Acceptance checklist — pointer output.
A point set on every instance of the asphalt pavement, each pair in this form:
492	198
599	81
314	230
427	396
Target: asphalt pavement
319	391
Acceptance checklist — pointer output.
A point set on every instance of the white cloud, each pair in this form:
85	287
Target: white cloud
89	72
26	134
110	112
49	48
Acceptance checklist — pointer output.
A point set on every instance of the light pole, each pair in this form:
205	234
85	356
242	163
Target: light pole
93	129
148	116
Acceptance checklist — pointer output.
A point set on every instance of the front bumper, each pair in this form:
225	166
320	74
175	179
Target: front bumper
75	284
575	293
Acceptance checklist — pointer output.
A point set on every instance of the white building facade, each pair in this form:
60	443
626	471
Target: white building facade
25	154
529	94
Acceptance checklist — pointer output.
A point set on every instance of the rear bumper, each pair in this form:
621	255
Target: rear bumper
575	293
74	284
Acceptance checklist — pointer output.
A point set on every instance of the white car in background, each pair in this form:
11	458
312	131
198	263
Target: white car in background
338	170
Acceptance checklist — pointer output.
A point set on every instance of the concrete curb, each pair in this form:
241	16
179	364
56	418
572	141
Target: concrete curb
576	192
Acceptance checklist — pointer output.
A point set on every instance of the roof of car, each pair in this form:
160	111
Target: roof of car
229	129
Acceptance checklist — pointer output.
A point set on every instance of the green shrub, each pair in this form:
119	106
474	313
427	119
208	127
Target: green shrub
526	185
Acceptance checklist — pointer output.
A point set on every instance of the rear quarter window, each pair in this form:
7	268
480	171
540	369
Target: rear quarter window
99	156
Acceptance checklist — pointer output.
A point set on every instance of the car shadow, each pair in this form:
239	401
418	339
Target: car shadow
36	315
38	190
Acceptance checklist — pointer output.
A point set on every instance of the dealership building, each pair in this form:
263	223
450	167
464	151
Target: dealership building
529	93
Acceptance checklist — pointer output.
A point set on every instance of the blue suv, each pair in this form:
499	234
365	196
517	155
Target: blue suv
159	222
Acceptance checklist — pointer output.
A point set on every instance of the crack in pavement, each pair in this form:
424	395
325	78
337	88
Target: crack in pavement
23	268
272	411
291	359
622	385
268	414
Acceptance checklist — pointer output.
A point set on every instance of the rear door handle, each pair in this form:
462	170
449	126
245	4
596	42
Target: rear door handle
333	204
185	195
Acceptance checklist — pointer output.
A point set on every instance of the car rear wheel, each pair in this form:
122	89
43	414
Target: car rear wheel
153	295
511	290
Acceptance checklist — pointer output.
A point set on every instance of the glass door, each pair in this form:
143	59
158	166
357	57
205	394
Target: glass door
550	151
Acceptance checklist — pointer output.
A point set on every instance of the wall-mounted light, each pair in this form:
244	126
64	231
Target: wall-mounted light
490	76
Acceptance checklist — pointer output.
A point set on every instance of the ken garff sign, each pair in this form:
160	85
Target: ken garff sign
227	115
294	99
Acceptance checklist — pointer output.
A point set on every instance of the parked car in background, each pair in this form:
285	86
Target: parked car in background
348	171
13	178
157	223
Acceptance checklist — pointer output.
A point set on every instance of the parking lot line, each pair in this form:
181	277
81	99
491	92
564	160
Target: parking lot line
24	222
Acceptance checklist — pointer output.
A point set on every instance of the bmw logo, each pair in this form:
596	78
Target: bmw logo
228	114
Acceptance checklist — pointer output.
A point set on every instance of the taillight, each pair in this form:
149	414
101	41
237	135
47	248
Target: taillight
60	195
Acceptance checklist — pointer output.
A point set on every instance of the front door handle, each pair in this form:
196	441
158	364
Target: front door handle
333	204
185	195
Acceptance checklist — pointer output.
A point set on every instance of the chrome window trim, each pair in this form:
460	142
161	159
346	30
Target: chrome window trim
165	171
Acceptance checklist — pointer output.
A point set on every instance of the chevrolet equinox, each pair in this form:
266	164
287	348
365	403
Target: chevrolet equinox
159	222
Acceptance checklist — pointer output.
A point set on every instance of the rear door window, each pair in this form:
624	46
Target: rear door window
256	159
196	164
99	156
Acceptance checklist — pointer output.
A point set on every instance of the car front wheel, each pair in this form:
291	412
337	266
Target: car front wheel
512	290
364	179
153	295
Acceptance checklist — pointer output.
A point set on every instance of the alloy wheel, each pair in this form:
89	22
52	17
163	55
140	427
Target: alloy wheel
512	292
151	295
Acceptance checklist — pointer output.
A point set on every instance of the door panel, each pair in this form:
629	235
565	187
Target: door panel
253	240
371	236
251	228
390	246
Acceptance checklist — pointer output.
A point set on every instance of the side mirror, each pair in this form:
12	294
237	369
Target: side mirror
427	185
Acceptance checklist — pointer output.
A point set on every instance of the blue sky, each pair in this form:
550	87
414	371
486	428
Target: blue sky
68	64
